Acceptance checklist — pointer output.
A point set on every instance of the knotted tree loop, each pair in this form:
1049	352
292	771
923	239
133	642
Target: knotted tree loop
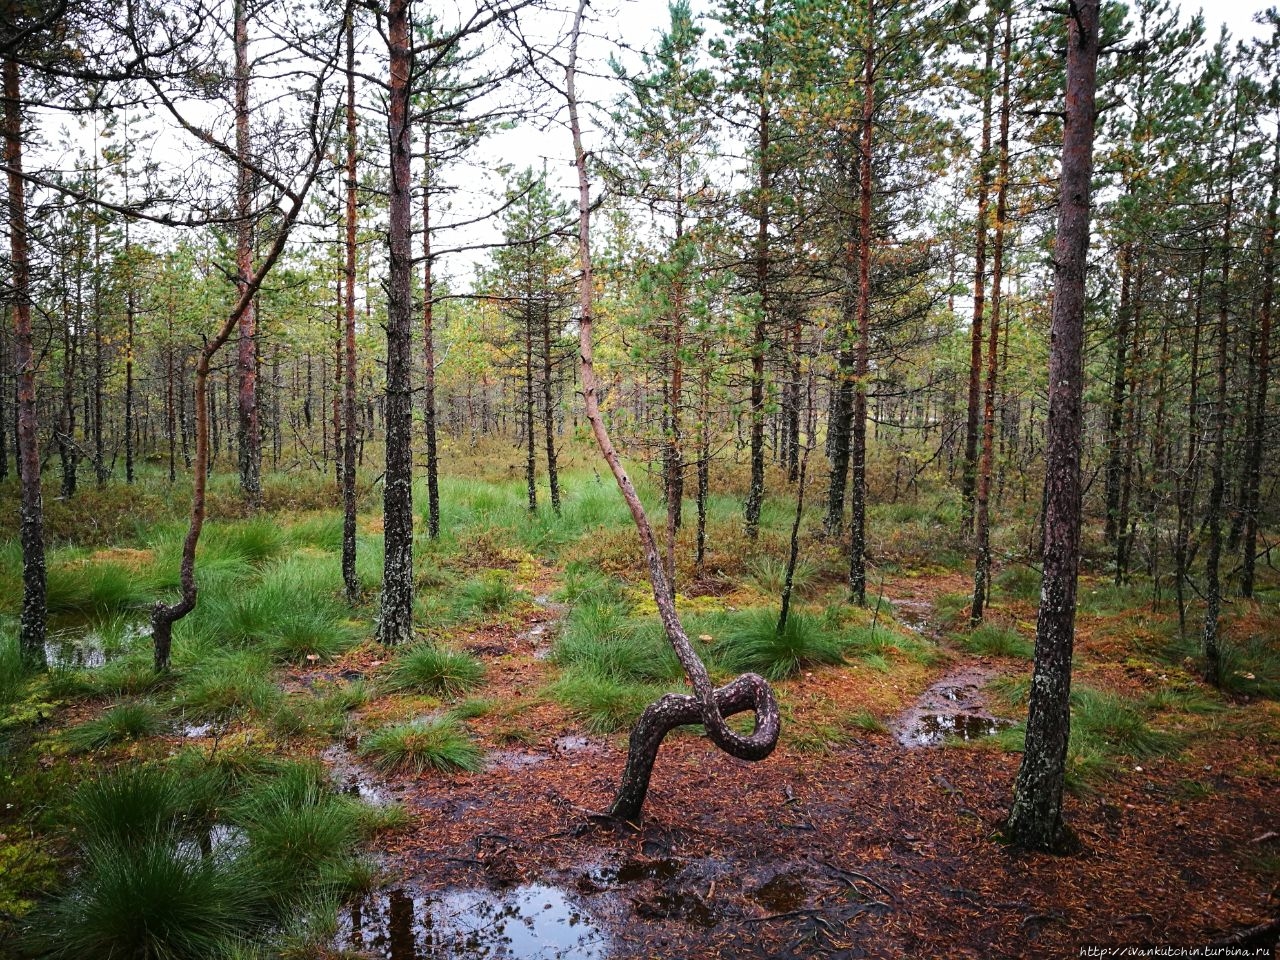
707	705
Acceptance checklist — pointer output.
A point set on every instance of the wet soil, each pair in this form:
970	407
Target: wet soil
877	848
954	707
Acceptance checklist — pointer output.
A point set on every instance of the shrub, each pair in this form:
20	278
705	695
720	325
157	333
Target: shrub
439	743
426	668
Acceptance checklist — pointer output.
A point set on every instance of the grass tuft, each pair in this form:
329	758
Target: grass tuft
440	743
604	704
427	668
121	723
754	643
990	640
233	683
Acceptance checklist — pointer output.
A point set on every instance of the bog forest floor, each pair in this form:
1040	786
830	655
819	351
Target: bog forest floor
473	764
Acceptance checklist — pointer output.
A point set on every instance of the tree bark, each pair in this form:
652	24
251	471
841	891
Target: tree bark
1035	817
31	633
968	477
395	623
982	565
548	407
1209	644
349	578
1258	431
429	349
760	342
861	362
250	452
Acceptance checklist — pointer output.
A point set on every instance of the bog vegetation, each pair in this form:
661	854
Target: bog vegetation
292	491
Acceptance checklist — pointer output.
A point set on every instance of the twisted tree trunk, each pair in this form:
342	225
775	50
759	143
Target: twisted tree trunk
707	705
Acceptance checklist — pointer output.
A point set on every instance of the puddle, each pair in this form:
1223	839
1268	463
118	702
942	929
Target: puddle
220	840
681	889
86	649
529	922
932	729
513	759
350	777
784	893
680	905
952	707
572	743
636	870
913	614
198	730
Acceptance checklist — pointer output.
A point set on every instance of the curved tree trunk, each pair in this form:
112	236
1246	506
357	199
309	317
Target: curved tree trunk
707	705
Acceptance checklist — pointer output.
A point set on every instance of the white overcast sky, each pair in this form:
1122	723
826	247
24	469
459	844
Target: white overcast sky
637	24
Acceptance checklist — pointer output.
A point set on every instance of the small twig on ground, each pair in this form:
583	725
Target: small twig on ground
860	876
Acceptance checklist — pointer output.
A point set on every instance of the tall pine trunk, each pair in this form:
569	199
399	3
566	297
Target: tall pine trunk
982	565
1258	430
429	350
1035	817
1209	644
969	476
862	349
349	577
250	453
31	509
395	622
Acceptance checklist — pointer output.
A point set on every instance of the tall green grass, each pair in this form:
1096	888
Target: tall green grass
438	743
158	879
427	668
752	643
119	724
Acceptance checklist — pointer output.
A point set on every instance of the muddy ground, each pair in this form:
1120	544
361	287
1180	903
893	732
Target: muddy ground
885	846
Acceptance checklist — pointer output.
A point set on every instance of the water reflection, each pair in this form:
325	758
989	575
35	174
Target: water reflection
530	922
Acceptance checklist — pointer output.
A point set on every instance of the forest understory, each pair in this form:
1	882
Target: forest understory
318	794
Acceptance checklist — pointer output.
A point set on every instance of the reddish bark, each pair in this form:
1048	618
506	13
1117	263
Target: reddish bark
1035	818
34	583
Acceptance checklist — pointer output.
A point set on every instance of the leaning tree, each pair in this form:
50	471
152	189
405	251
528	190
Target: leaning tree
707	705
